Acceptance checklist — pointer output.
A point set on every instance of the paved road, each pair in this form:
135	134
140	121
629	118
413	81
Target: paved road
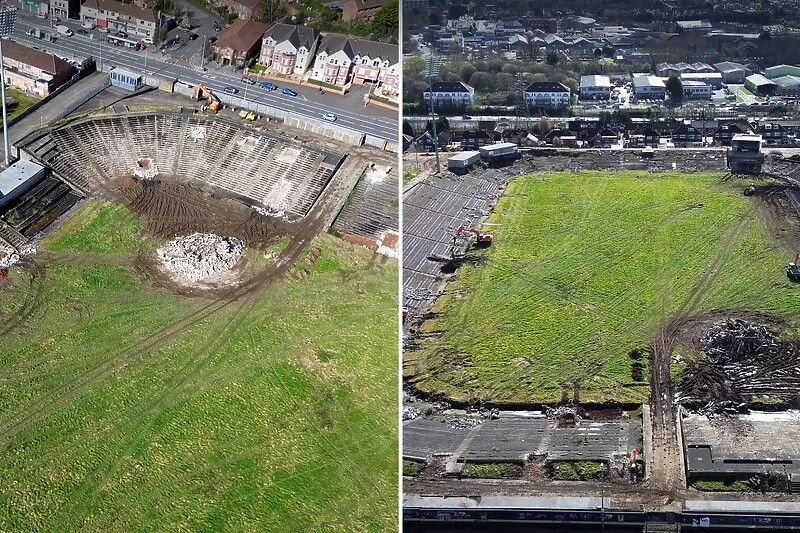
350	110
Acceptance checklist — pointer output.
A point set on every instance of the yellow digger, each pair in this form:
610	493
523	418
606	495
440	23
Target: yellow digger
247	115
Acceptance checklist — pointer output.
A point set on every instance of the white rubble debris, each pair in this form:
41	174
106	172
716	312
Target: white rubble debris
8	257
200	255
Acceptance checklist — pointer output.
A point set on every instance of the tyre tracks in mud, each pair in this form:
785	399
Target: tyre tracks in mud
50	402
667	463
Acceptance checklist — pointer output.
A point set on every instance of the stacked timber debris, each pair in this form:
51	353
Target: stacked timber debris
735	339
745	363
200	255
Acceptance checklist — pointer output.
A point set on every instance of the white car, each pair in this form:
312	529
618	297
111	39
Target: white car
330	117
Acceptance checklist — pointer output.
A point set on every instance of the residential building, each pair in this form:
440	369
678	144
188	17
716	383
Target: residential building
137	22
340	60
421	6
360	9
649	87
65	8
450	94
245	9
606	138
697	90
759	85
239	42
34	71
472	140
548	95
547	25
723	135
333	61
595	88
732	72
781	70
644	136
288	49
686	136
773	133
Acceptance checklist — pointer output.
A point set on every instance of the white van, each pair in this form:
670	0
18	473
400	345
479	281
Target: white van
88	24
63	30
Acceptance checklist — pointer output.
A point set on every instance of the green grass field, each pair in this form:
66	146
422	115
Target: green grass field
587	267
276	413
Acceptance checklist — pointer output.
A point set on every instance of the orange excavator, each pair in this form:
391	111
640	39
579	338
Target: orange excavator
213	102
482	240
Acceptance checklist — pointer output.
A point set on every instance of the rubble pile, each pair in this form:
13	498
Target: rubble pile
200	255
563	412
8	258
409	413
464	423
735	339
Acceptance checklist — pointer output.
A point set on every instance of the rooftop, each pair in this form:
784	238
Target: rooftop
547	87
242	35
49	63
595	81
758	79
17	174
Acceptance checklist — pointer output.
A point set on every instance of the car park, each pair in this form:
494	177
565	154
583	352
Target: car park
289	92
268	86
230	90
330	117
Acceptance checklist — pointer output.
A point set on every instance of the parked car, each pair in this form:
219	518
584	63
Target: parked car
268	86
121	34
248	81
88	24
212	39
81	31
289	92
230	90
193	36
330	117
103	30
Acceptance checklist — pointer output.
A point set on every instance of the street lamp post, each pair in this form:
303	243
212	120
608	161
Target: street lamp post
7	18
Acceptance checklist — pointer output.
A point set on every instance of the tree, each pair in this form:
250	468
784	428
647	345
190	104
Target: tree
674	88
387	20
272	10
765	35
408	129
442	125
482	81
504	82
545	126
466	72
552	57
557	142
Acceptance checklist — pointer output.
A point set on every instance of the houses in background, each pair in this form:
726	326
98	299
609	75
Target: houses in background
34	71
140	22
341	60
288	49
450	94
548	95
239	42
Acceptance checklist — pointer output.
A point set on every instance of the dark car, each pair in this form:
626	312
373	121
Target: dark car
81	31
213	39
121	34
289	92
230	90
193	36
268	86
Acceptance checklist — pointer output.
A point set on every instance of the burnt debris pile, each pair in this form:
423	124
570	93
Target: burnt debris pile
736	339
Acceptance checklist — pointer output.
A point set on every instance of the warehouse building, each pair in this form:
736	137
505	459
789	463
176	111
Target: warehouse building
697	90
759	85
595	88
649	87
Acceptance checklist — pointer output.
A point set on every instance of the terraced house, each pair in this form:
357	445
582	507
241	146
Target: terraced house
341	60
288	49
141	22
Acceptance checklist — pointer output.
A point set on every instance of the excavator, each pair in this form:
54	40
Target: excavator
482	240
793	269
213	102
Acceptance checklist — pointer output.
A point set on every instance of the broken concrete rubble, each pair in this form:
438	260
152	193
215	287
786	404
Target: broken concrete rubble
200	255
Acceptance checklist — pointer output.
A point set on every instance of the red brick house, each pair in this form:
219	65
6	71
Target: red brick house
239	42
360	9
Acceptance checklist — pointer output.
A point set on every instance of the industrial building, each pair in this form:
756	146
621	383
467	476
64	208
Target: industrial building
711	78
650	87
595	88
759	85
697	90
732	72
18	179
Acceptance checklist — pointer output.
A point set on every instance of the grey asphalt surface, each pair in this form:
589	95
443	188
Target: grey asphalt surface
350	110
